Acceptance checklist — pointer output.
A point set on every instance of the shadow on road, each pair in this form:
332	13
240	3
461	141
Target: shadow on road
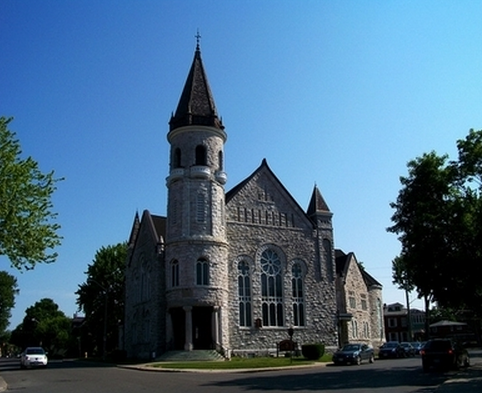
333	378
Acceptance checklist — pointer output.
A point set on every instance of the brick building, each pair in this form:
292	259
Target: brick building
397	321
233	271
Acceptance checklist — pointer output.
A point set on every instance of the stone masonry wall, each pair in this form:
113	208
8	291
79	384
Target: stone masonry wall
360	328
282	227
144	306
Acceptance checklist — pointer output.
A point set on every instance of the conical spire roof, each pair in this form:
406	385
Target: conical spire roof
317	203
196	105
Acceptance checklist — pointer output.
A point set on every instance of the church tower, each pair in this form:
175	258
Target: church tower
196	246
321	216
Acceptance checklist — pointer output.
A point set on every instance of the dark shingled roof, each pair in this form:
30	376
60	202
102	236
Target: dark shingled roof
341	260
369	280
317	203
196	105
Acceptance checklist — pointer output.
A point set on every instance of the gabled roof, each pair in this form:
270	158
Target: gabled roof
156	228
159	223
196	105
264	167
341	260
135	230
342	264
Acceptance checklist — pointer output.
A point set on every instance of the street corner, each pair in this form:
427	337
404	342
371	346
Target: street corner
467	381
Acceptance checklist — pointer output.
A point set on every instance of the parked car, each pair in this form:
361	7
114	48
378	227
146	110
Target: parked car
444	353
354	354
391	349
417	346
408	348
33	357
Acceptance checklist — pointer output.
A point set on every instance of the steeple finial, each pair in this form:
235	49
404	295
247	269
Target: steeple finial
198	39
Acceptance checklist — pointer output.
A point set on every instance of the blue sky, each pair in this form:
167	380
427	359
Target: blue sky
341	94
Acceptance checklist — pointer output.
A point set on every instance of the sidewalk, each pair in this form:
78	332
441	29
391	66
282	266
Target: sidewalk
467	381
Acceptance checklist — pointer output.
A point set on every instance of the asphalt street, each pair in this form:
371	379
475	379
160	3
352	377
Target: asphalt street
397	376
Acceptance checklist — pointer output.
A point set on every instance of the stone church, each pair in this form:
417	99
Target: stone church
236	270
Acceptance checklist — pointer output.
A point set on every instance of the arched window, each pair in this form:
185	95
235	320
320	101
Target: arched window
220	161
328	258
202	272
177	158
354	329
174	273
244	294
298	295
201	158
271	289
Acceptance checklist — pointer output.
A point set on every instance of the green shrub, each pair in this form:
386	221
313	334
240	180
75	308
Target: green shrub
313	351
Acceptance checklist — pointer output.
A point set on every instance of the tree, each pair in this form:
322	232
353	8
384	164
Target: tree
45	325
101	297
8	290
437	217
28	231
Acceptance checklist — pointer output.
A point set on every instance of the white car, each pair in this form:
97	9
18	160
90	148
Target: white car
33	357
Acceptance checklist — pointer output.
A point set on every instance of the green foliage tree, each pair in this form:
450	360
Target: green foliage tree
45	325
6	349
28	231
101	298
437	218
400	275
8	290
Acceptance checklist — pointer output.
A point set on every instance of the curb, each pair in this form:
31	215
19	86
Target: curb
3	385
148	367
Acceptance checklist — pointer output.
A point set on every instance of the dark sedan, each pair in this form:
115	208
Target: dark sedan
391	349
444	354
354	354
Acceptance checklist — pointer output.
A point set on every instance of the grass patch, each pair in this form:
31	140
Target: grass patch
241	363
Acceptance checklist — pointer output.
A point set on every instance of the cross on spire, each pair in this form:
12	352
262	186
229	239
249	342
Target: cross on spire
198	39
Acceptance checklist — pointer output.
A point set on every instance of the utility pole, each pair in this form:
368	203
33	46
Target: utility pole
409	317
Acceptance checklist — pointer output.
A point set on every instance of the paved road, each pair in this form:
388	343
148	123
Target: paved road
387	376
